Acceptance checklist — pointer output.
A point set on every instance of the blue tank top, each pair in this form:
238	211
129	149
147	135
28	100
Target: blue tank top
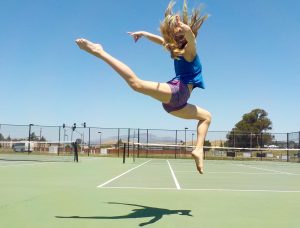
189	72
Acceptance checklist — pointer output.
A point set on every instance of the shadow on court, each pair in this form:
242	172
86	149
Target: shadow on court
141	212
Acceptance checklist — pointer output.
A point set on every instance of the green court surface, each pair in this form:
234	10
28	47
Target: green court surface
103	192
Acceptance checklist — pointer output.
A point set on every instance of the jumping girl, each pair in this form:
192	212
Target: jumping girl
179	38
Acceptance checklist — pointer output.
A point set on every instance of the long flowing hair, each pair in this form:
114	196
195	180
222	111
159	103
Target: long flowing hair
176	44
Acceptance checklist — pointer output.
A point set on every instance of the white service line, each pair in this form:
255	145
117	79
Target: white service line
174	177
210	189
24	164
270	170
111	180
246	173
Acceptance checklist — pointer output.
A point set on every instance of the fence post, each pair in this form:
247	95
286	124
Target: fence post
299	140
124	152
147	143
175	144
29	138
287	146
89	142
298	146
59	128
261	145
128	141
138	152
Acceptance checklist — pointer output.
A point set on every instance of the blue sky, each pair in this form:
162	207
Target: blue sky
250	52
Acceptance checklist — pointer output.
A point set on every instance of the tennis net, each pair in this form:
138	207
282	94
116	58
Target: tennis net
30	151
141	150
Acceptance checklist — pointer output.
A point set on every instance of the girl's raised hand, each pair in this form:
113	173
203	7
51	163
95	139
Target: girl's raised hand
136	35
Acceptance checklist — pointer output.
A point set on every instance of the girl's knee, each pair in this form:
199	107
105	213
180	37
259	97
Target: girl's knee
209	117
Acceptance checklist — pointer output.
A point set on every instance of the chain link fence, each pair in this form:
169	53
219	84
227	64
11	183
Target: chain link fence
95	141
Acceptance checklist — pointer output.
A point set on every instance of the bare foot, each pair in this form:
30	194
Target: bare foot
198	157
90	47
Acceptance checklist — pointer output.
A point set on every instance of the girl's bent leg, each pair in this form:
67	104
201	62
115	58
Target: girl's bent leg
204	117
159	91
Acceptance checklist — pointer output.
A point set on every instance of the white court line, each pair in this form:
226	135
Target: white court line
246	173
111	180
22	164
210	189
174	177
270	170
244	190
141	188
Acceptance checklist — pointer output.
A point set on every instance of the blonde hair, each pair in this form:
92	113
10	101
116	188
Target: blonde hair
176	47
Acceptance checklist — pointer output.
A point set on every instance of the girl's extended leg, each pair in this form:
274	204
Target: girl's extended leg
159	91
204	117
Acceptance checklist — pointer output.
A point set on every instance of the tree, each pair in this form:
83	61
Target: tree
33	137
79	141
207	143
1	137
43	139
119	143
251	131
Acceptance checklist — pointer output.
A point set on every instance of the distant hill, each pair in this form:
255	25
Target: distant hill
143	139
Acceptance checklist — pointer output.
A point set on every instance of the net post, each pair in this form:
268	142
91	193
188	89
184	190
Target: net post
124	152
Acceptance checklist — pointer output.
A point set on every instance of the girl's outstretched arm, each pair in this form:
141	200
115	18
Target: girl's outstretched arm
154	38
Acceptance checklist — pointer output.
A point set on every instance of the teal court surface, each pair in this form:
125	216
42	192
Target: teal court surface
103	192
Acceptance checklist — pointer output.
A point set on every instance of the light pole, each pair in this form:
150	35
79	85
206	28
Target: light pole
99	141
185	138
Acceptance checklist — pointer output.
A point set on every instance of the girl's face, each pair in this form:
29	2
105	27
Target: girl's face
175	26
178	33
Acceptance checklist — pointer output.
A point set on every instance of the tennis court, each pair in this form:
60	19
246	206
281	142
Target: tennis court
103	192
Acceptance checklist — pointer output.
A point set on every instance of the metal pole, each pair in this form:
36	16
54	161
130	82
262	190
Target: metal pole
89	141
99	142
299	140
175	144
287	146
58	140
185	140
118	142
299	146
138	153
147	143
29	138
128	141
261	145
124	152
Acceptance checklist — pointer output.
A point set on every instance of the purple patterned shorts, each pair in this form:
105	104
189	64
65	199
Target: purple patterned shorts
180	95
